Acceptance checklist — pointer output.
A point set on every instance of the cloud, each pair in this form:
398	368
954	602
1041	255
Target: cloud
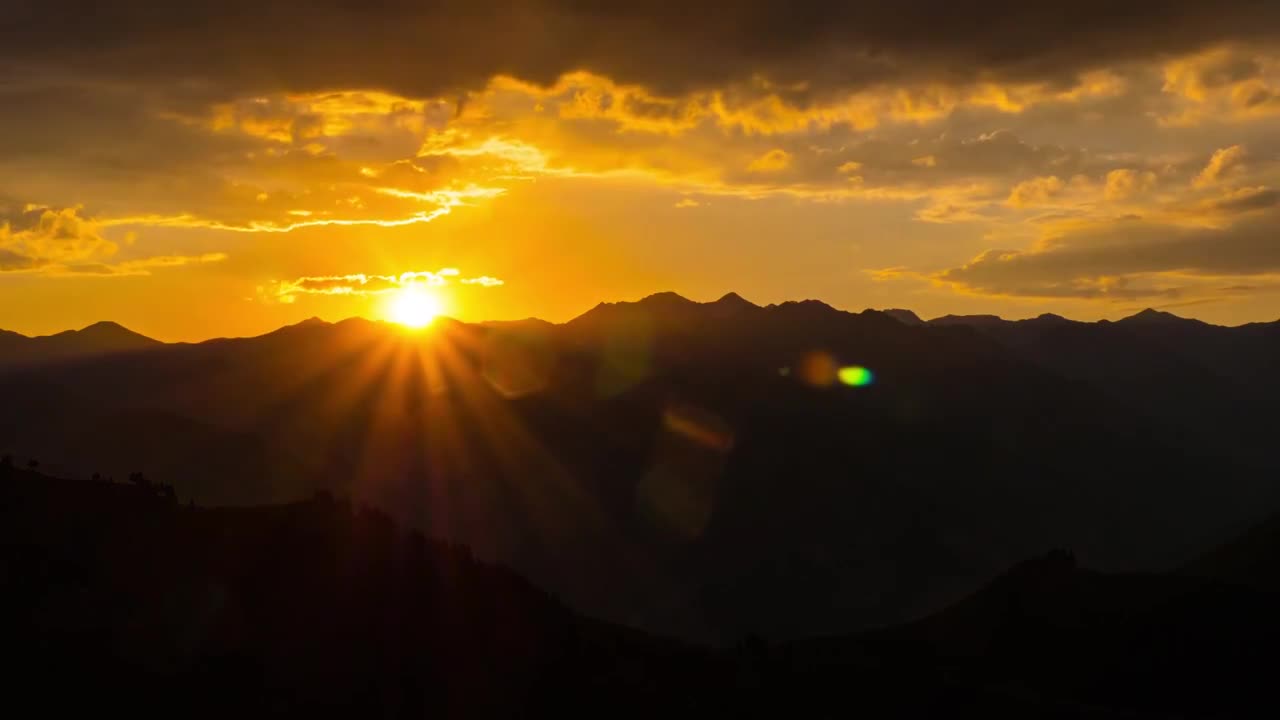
1125	258
1226	84
772	161
951	156
483	280
142	266
59	242
1037	191
1022	127
1242	200
352	159
954	212
1224	161
804	48
364	285
339	158
1126	183
33	236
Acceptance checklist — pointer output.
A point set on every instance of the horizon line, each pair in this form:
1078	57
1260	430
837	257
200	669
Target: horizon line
889	311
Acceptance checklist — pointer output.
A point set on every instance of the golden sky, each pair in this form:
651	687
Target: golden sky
223	170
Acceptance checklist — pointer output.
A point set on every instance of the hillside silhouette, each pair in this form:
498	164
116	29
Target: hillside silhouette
701	470
117	595
102	338
317	607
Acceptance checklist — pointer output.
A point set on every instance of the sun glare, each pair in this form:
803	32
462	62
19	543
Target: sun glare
414	307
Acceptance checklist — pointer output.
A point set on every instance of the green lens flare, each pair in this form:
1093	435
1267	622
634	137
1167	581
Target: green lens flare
855	376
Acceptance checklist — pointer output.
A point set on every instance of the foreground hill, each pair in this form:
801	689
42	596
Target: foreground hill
1164	643
117	597
699	469
113	596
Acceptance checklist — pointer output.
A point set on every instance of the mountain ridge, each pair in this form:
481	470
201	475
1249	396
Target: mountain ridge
669	301
100	338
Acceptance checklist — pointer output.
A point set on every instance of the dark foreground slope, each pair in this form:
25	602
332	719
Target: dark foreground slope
1174	645
115	599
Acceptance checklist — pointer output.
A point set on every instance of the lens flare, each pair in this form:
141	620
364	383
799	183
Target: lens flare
818	369
855	376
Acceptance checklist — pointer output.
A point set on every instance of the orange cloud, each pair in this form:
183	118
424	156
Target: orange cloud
364	285
60	243
1224	161
1037	191
772	161
1225	84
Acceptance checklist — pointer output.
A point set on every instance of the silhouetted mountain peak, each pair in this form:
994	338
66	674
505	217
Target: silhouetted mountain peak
106	335
733	299
104	326
970	320
97	339
729	306
906	317
106	332
1051	317
1150	315
809	305
354	321
805	311
663	307
666	300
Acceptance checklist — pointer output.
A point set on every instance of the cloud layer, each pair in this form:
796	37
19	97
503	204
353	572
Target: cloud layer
1103	152
426	49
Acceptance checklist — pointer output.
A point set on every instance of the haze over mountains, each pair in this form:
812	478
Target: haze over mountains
699	469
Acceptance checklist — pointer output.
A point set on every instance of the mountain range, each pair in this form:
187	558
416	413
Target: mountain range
701	469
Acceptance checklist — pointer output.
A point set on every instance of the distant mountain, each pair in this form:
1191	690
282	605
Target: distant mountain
705	469
969	320
732	303
904	316
1178	370
102	338
1156	317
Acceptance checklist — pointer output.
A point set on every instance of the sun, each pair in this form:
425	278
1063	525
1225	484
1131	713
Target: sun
414	307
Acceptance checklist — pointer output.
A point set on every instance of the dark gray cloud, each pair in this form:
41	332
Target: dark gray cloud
1108	260
998	153
1246	201
425	48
